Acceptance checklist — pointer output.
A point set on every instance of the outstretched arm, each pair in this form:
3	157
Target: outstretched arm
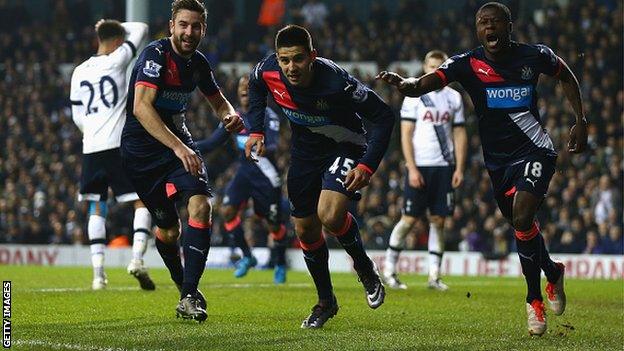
412	86
571	89
218	137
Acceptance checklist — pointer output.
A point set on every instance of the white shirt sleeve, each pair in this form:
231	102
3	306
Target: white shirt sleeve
78	108
136	33
409	109
458	116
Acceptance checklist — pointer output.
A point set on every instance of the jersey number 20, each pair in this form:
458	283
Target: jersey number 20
103	97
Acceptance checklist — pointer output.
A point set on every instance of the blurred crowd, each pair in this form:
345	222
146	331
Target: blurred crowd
40	160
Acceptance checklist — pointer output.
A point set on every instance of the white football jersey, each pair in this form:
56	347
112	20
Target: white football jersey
99	90
435	114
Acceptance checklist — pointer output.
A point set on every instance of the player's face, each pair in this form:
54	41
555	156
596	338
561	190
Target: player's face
187	29
296	64
493	30
431	64
243	89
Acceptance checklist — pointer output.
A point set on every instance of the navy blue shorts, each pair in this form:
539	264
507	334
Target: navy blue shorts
437	195
261	183
533	175
160	187
306	179
101	170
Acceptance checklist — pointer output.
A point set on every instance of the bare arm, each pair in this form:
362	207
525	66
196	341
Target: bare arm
414	177
460	138
407	132
412	86
226	113
571	89
144	111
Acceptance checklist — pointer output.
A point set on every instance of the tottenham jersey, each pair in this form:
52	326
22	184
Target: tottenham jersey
505	99
435	114
99	90
324	116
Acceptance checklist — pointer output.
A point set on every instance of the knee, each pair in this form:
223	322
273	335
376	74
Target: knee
168	235
332	218
408	220
228	213
437	221
199	208
522	221
305	229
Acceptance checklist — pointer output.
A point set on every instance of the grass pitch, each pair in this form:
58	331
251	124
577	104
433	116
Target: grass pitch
53	309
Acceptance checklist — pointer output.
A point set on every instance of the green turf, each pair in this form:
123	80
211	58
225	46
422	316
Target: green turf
252	314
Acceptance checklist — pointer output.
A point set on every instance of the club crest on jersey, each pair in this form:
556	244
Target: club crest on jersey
526	73
322	105
359	91
152	69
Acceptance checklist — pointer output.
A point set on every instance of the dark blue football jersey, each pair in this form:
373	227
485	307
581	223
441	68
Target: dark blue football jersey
505	99
175	78
324	116
220	136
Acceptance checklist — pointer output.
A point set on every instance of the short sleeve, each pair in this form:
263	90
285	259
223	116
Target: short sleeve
207	82
151	67
451	69
409	109
458	116
123	54
549	63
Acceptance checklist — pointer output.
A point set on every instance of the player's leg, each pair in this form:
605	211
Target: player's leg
277	231
436	251
414	205
142	223
267	199
395	246
337	221
441	204
316	257
234	230
196	241
165	217
304	187
237	193
94	189
193	193
96	230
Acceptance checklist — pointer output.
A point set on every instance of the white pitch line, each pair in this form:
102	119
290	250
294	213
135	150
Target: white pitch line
66	346
211	286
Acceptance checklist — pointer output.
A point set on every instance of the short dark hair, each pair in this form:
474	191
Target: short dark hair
110	29
191	5
436	54
293	35
498	6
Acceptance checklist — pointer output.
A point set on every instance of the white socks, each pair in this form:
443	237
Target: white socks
142	225
396	244
436	250
96	229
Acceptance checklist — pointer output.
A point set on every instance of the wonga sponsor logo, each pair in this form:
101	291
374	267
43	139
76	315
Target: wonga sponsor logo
509	97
